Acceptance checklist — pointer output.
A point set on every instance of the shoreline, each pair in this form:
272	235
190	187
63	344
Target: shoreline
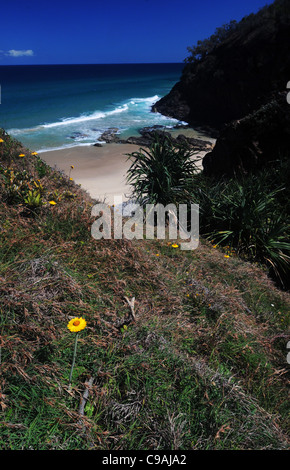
101	171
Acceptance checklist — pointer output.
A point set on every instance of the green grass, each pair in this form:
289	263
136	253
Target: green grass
202	367
167	405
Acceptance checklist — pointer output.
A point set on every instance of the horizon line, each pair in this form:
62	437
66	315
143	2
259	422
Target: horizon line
92	63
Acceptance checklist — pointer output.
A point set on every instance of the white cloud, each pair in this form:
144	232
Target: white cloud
14	53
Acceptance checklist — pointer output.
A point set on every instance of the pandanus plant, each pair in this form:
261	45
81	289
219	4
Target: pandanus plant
160	173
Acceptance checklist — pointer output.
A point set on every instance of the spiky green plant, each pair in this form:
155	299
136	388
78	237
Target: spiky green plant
246	214
160	174
33	199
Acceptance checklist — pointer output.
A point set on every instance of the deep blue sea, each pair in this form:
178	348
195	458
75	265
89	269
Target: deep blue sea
50	107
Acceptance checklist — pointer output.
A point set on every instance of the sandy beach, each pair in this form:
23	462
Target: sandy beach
101	171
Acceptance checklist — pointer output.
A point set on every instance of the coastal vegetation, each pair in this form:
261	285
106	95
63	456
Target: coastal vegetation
278	11
180	350
234	85
204	47
234	72
249	214
160	174
136	344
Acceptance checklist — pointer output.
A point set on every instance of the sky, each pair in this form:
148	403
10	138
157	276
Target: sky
111	31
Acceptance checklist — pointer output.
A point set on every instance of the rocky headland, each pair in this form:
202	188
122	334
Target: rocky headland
236	86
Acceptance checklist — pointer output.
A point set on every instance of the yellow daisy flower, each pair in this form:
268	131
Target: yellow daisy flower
77	324
21	155
174	245
1	140
34	153
52	203
226	256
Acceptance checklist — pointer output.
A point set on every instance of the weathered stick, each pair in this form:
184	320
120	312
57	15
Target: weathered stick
131	304
85	396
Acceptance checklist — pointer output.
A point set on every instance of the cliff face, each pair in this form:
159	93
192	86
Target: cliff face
247	144
238	77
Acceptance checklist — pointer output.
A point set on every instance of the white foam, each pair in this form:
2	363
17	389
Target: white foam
150	99
63	147
118	110
136	112
74	120
88	117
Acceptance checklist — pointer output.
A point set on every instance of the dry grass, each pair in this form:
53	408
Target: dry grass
202	367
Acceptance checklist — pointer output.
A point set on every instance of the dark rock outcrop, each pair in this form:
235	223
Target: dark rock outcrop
110	135
248	144
236	77
149	134
235	89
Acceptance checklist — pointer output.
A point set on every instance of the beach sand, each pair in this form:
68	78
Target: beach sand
101	171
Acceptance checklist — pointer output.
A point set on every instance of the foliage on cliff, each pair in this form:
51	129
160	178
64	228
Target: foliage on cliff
235	71
279	11
206	46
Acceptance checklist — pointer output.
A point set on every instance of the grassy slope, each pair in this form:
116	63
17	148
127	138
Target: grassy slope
202	367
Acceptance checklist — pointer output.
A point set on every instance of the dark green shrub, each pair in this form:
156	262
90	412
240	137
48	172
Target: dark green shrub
160	174
246	214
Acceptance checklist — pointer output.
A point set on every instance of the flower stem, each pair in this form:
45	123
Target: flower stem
74	360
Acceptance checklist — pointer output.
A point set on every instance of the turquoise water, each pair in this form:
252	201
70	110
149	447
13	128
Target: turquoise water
57	106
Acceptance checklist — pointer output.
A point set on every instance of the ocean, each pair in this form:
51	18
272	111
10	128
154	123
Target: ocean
49	107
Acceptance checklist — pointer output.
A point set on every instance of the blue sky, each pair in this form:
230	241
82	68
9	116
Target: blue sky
111	31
